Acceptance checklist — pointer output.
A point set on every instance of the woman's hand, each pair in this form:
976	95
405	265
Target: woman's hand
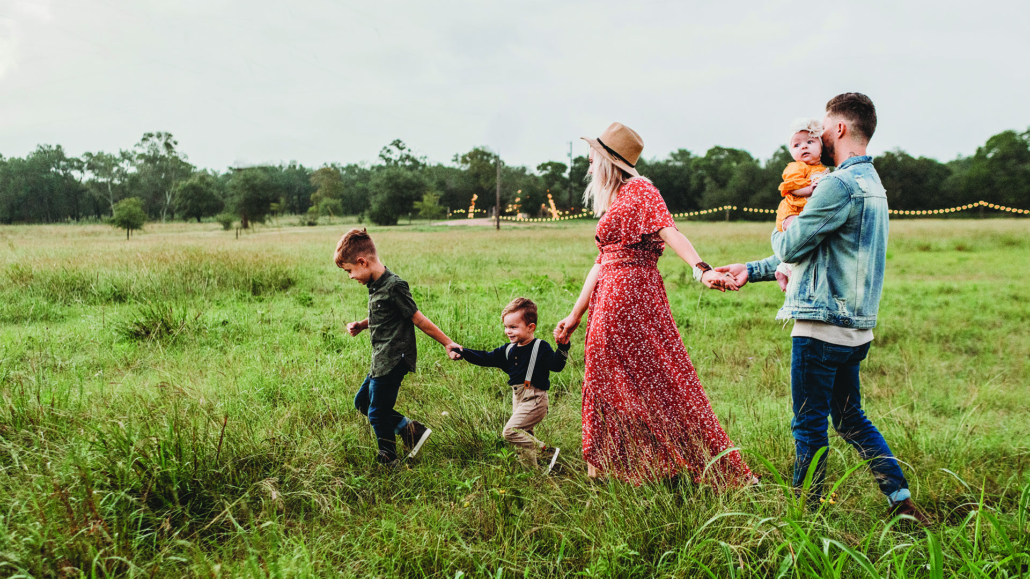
720	281
565	328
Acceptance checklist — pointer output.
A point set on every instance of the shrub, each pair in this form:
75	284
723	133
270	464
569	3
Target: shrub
225	219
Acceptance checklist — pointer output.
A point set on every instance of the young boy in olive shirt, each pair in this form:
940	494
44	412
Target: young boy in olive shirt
391	321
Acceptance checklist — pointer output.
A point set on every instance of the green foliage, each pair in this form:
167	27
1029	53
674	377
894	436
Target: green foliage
197	197
47	186
225	219
129	215
429	206
394	192
251	194
159	167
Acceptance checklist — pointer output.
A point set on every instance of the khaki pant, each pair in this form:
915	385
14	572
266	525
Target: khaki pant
529	407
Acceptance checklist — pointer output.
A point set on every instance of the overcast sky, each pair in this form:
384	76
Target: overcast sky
334	81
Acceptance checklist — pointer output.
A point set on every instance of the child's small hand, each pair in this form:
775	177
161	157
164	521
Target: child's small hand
561	338
782	279
786	222
454	351
355	328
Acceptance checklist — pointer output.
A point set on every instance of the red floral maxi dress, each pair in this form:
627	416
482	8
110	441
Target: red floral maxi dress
645	413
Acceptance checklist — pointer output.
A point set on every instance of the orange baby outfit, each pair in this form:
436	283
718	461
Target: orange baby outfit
796	176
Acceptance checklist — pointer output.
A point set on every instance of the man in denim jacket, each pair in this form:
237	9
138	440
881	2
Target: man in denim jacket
839	246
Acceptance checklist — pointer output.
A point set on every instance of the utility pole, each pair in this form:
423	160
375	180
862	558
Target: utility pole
497	210
570	176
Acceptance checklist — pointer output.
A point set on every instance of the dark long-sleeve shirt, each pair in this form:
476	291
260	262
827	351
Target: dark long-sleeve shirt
517	363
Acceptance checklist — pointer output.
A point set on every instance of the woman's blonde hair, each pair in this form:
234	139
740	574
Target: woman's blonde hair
604	184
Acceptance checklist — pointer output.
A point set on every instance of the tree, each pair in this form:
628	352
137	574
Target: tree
330	190
159	166
578	176
999	172
108	172
198	196
429	207
251	194
911	183
397	154
355	197
394	192
129	215
556	181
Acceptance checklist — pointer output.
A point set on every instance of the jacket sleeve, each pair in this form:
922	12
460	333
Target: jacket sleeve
493	359
559	357
763	269
825	213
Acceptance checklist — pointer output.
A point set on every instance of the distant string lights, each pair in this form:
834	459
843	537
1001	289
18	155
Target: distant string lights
566	215
557	215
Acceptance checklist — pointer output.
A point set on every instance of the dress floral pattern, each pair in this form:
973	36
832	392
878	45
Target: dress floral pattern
645	414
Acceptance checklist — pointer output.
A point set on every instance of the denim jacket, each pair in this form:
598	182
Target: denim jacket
838	246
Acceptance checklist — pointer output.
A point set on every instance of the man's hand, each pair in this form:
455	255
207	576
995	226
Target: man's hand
565	328
782	280
713	280
355	328
738	271
454	351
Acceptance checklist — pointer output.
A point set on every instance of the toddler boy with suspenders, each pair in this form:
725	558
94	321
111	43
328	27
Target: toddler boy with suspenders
528	361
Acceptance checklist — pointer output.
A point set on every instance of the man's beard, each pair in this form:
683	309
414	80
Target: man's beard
827	157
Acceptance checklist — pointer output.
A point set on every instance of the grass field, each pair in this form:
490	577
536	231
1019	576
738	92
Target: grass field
181	405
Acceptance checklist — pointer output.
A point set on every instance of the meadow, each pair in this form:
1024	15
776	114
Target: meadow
181	405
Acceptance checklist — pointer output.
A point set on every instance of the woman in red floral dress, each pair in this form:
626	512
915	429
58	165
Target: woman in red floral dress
645	413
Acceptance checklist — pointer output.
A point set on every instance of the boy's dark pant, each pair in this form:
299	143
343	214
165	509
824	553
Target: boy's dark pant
824	382
375	399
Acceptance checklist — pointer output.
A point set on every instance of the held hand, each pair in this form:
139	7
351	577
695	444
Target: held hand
565	328
736	270
454	351
782	280
355	328
722	282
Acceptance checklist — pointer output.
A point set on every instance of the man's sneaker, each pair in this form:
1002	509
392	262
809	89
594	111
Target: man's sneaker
414	435
550	455
907	507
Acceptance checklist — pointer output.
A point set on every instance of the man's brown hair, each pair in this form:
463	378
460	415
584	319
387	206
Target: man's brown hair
857	109
354	244
524	306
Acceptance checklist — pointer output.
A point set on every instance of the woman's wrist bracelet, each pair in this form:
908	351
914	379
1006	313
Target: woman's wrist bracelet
699	270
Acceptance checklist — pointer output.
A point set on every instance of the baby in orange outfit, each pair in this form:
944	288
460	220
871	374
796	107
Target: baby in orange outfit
801	176
799	179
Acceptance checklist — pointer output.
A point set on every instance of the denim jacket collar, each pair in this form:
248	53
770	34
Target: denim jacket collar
854	160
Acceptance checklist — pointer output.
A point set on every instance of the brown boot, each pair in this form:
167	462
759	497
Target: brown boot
907	507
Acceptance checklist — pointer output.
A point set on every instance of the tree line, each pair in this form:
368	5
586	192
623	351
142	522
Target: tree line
48	186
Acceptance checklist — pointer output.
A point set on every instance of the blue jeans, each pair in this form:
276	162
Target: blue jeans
824	382
375	399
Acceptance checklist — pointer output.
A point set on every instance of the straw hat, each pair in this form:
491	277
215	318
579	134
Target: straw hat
619	144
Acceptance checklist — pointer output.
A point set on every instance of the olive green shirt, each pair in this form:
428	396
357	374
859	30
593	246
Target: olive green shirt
390	309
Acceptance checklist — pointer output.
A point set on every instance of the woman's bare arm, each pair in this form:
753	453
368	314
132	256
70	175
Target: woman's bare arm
683	248
569	324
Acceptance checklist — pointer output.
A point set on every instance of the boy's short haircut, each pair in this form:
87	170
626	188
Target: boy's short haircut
525	306
856	108
354	244
813	126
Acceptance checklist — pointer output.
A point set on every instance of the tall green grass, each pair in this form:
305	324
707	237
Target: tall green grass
188	425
